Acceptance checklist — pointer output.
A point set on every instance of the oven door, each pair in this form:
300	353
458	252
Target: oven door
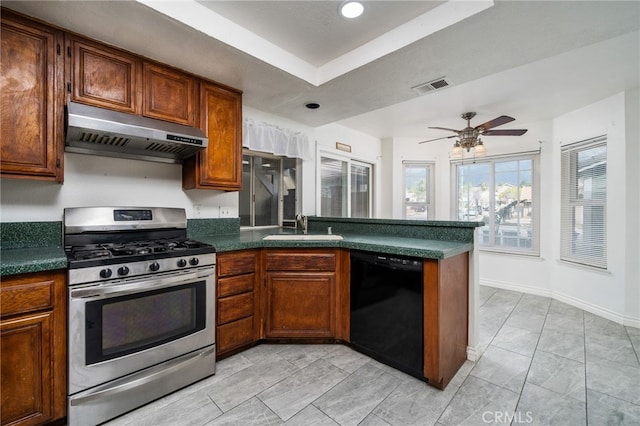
122	327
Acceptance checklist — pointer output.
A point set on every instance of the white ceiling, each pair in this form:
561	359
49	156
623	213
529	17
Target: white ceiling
532	60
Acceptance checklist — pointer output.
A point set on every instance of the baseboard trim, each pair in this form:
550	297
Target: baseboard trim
473	353
565	298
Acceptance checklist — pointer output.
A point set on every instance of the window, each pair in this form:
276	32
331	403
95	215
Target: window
500	191
269	189
418	190
584	203
345	187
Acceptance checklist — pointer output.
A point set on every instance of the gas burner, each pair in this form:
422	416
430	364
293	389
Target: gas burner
90	252
93	238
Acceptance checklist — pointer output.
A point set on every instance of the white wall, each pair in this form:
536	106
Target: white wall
104	181
632	249
614	294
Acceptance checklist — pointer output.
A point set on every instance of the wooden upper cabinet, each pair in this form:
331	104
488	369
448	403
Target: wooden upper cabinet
31	83
104	77
170	95
219	166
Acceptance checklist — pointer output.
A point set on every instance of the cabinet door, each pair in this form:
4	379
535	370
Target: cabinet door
33	333
300	304
169	95
26	369
219	166
31	82
104	77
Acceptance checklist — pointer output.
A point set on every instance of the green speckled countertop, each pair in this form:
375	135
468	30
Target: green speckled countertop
31	247
389	244
37	246
34	259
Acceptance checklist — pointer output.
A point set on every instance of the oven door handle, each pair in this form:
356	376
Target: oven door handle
98	292
144	378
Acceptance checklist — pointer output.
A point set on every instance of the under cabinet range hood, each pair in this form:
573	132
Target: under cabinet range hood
99	131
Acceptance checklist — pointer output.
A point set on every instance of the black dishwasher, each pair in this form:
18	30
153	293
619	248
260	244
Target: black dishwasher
386	309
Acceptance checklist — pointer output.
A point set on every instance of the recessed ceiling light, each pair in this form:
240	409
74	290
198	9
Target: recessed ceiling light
351	9
312	105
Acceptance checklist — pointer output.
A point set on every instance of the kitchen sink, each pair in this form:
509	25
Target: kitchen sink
304	237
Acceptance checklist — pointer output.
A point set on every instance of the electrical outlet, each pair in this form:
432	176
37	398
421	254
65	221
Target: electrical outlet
225	211
197	210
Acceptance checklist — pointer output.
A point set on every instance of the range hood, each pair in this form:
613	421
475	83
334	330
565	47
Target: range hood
99	131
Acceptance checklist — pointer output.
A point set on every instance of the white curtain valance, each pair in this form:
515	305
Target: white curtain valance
266	137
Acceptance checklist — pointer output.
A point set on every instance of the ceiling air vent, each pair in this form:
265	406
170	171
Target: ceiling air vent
436	84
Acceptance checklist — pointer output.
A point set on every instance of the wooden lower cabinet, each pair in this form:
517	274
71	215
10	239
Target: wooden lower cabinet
236	319
446	317
33	342
300	304
303	294
300	293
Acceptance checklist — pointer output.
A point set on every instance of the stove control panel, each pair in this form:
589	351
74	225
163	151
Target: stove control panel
143	267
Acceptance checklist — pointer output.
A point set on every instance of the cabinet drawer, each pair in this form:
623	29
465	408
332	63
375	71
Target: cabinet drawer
236	263
235	307
300	261
235	334
235	285
20	297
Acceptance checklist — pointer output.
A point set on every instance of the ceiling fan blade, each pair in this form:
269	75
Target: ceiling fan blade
505	132
499	121
437	139
445	128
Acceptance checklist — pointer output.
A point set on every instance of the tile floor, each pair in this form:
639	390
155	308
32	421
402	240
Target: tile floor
543	363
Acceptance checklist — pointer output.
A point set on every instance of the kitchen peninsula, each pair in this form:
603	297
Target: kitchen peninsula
264	298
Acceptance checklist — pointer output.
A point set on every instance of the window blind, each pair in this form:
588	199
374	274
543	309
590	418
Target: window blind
584	202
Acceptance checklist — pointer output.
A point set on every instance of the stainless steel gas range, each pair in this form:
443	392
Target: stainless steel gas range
141	308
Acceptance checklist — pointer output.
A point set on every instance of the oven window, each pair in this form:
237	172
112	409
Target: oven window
126	324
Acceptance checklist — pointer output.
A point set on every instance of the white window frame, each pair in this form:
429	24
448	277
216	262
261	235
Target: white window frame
430	202
349	161
534	156
570	200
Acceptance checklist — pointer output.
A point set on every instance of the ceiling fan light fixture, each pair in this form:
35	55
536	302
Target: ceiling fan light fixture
457	152
351	9
479	150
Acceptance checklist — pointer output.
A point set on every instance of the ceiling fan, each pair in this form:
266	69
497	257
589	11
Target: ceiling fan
469	137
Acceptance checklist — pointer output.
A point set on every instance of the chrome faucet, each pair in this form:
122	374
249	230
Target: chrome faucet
302	222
